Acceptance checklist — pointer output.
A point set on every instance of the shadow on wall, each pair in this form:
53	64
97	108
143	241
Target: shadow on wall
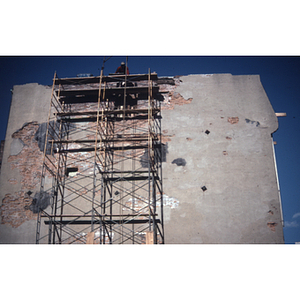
40	201
40	135
144	160
179	162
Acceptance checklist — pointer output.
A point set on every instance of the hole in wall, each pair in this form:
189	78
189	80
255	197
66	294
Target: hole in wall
204	188
71	171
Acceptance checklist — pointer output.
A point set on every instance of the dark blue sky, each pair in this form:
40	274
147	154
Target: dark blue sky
279	75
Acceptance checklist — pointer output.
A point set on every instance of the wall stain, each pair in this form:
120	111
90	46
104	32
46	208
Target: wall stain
233	120
272	225
179	162
257	124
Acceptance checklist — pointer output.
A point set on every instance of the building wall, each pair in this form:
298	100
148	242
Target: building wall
1	152
219	177
22	162
224	136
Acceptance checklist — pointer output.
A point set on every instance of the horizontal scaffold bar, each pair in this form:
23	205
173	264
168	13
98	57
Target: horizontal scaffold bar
109	112
103	140
130	178
91	92
108	222
91	95
110	78
114	148
109	118
125	172
96	215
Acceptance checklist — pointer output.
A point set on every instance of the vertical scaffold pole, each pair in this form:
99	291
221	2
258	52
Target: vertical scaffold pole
150	152
44	165
95	153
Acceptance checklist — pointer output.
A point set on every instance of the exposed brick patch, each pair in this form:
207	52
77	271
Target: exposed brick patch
228	138
15	207
13	181
233	120
29	160
272	225
172	99
166	138
189	139
175	98
13	210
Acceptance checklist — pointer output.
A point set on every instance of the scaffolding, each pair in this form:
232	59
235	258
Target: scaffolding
102	163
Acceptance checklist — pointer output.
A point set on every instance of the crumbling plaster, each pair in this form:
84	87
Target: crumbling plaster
21	166
30	102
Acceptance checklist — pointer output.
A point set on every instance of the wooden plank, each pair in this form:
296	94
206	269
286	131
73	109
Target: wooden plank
149	238
110	78
93	92
108	112
90	238
115	148
91	95
111	118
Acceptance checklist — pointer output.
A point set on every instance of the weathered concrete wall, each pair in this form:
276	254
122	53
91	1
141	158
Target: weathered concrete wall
22	162
224	136
218	134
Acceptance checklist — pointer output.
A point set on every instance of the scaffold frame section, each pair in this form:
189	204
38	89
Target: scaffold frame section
102	162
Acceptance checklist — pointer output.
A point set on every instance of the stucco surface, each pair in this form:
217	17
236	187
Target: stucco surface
21	165
224	135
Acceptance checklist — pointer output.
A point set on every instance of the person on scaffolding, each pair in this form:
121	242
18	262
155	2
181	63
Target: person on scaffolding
121	69
119	99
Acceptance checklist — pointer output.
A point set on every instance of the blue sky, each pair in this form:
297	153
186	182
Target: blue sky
279	75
